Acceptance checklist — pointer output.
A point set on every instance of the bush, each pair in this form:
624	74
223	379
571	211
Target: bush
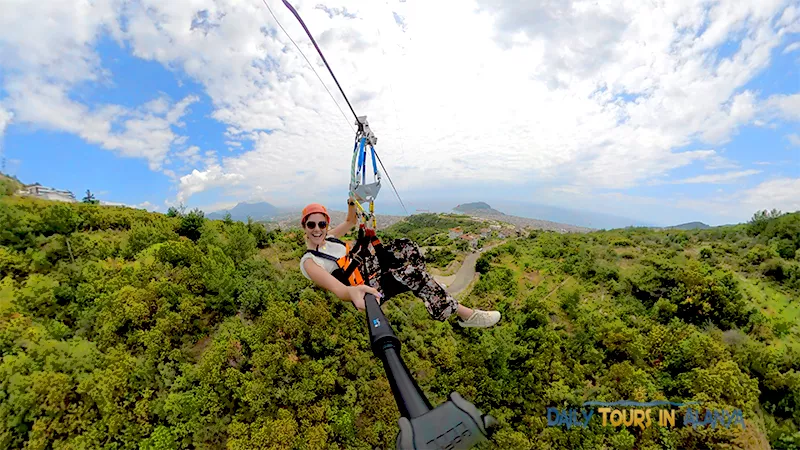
700	292
483	264
497	279
758	254
259	232
654	279
143	236
8	186
191	224
760	220
60	219
12	263
664	310
182	253
439	257
37	296
775	269
241	244
785	248
622	242
196	343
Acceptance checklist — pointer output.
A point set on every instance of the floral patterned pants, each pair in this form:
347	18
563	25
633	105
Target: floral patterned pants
411	274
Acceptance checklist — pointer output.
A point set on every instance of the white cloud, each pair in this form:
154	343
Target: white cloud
779	193
717	178
191	155
144	205
41	72
217	207
108	203
782	193
145	132
794	139
721	163
65	33
5	119
791	47
212	177
578	94
543	120
785	106
148	206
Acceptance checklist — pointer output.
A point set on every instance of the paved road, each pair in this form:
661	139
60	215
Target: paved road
466	272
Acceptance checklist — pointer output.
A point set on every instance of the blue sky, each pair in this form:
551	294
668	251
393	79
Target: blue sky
144	110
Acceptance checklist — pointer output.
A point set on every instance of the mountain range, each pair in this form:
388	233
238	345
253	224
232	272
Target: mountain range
260	211
521	215
484	211
690	226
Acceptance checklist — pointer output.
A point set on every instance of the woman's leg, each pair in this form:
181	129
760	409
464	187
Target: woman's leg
372	270
412	273
438	301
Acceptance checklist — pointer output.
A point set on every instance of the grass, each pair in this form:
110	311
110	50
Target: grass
774	304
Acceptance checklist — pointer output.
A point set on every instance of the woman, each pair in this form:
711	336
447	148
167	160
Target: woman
410	273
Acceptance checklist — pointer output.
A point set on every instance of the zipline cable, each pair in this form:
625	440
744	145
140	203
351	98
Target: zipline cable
310	65
291	8
299	19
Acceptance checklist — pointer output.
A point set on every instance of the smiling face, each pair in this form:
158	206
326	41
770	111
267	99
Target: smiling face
316	236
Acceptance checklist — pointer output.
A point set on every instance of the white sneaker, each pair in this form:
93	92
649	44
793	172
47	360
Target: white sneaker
481	319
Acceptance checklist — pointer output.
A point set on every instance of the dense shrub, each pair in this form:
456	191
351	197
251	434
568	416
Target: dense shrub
191	224
125	329
439	257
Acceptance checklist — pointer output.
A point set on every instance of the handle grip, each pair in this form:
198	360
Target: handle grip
454	425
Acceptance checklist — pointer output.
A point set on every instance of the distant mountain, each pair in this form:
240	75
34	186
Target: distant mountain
240	212
484	211
583	218
690	226
479	207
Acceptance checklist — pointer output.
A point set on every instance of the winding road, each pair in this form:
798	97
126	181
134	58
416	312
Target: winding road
466	273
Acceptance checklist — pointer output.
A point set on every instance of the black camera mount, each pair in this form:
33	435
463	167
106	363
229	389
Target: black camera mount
455	424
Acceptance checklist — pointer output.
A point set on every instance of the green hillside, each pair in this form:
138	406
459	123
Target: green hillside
9	185
125	329
690	226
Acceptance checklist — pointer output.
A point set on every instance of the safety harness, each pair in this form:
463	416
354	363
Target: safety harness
351	270
347	271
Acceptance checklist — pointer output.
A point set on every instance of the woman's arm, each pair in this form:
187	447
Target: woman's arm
325	280
349	223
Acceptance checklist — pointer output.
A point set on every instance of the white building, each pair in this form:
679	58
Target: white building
47	193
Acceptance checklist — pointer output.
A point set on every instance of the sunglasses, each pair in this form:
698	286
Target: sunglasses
312	225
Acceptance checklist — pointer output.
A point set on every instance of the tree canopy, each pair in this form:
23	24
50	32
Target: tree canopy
125	329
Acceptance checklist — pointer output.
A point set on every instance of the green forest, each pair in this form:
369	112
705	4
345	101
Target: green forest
125	329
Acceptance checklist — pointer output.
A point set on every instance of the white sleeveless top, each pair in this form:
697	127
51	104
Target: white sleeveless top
330	248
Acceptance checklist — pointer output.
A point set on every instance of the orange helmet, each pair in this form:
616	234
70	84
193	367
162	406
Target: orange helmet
314	208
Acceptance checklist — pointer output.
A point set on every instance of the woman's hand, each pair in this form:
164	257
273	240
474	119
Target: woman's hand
357	293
